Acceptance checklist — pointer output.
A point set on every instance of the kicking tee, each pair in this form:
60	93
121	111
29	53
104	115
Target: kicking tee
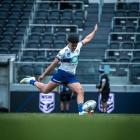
69	59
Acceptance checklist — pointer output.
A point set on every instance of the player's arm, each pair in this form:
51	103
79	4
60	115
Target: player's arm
90	36
49	69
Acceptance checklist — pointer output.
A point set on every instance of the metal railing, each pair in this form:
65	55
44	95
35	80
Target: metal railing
127	2
129	51
100	8
91	70
60	2
123	21
68	26
123	34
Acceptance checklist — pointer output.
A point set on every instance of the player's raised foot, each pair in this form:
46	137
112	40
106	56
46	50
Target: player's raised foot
82	113
27	80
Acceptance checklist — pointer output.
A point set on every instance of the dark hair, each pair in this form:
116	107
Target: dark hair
73	38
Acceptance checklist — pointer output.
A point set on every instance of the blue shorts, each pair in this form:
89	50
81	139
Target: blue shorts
63	77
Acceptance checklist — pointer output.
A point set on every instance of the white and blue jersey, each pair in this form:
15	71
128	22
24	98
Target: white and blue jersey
69	61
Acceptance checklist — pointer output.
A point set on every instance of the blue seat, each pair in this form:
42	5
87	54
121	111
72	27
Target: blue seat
66	14
27	58
41	59
124	59
59	44
60	36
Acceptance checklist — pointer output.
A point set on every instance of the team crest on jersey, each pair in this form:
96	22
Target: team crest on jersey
74	59
110	103
47	102
68	54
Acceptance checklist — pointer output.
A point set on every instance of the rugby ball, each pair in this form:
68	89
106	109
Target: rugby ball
89	105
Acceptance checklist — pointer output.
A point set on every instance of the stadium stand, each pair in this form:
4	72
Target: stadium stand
13	19
123	40
35	31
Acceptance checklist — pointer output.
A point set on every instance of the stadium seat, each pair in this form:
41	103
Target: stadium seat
129	37
114	45
119	21
124	59
47	29
79	22
136	53
54	14
38	69
37	30
14	51
65	21
130	28
7	38
25	70
27	58
132	21
133	6
121	71
110	59
29	53
59	44
42	13
4	50
41	59
60	36
138	22
117	28
34	36
135	59
39	20
133	13
134	73
138	37
51	55
32	45
5	44
66	28
44	6
66	14
138	29
120	13
52	20
137	45
79	14
46	44
126	45
47	37
121	6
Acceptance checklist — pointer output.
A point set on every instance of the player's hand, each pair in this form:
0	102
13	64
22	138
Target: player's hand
40	78
96	27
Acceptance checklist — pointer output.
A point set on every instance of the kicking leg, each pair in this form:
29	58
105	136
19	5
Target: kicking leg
45	88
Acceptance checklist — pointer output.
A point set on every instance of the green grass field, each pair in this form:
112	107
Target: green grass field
38	126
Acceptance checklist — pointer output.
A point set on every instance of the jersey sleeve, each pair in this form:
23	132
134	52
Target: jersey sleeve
60	54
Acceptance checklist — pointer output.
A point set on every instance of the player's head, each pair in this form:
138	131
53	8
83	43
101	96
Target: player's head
73	39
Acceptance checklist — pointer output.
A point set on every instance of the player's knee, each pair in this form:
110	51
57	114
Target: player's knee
80	91
45	89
